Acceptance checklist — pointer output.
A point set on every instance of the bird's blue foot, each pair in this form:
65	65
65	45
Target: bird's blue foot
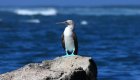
72	54
67	55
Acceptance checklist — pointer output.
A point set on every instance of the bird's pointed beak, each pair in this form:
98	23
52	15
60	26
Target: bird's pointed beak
61	22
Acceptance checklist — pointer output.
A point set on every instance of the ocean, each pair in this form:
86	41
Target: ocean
110	35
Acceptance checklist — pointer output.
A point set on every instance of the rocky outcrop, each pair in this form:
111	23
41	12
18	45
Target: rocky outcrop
61	68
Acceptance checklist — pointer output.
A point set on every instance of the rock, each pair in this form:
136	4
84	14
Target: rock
61	68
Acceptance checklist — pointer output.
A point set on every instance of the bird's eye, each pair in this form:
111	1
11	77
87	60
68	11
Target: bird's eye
67	22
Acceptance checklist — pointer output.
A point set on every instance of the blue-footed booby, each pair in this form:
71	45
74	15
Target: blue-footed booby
69	39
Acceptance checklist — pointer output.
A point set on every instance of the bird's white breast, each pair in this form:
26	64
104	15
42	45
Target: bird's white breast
69	42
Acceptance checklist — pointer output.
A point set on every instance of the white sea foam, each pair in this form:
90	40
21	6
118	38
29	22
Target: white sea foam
84	22
32	21
76	11
45	12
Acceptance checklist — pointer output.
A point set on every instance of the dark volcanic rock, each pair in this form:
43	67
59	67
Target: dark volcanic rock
61	68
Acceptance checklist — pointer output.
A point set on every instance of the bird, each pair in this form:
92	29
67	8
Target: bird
69	38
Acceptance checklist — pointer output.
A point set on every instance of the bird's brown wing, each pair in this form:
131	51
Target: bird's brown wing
75	43
62	41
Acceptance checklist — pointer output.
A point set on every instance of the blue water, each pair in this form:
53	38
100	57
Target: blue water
111	36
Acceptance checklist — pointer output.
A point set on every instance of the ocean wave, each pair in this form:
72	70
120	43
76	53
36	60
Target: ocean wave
32	21
0	20
30	12
76	11
101	11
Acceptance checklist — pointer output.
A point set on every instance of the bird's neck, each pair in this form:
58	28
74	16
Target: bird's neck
68	30
71	27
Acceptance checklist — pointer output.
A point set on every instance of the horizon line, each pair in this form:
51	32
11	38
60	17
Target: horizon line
127	5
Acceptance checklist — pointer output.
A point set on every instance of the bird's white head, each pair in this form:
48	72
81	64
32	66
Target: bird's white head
69	23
